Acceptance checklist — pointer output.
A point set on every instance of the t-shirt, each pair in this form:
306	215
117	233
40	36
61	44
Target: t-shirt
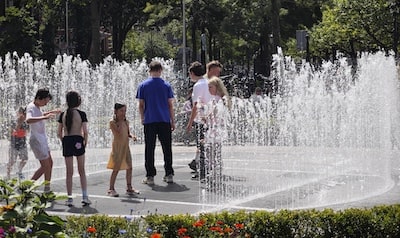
156	93
201	95
37	128
78	117
18	135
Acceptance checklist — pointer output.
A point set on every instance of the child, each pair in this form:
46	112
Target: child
73	132
216	114
120	158
18	147
38	138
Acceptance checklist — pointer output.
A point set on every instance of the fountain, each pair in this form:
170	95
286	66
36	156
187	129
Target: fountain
325	138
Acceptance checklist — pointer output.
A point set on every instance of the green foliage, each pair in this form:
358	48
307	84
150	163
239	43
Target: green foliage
104	226
17	25
23	214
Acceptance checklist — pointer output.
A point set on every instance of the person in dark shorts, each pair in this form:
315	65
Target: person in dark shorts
73	132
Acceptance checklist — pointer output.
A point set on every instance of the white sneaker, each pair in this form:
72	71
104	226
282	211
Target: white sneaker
86	201
148	180
169	179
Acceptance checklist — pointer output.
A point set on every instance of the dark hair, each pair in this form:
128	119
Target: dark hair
197	68
43	93
119	106
155	66
73	100
22	110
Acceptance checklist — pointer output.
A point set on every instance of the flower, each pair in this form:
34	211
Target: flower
182	231
199	223
228	230
121	231
216	229
91	229
239	226
149	230
12	229
155	235
78	145
129	218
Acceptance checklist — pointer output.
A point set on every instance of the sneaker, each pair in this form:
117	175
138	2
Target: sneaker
47	189
132	191
193	165
86	201
168	179
148	180
69	202
20	175
112	193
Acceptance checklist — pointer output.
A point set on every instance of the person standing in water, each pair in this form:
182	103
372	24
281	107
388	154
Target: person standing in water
120	158
18	147
73	133
38	138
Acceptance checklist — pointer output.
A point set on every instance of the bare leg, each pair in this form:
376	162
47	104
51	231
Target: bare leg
69	164
48	168
45	168
113	178
82	173
129	178
39	172
22	164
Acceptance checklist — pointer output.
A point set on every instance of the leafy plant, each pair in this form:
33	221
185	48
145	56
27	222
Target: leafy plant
24	214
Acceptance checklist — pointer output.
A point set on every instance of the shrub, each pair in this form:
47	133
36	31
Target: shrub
24	214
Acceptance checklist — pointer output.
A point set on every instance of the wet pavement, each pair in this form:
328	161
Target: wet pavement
180	197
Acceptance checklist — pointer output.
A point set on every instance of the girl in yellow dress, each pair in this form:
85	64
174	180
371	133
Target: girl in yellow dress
120	157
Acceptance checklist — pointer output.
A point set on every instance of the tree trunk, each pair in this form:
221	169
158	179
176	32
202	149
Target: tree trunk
95	13
276	36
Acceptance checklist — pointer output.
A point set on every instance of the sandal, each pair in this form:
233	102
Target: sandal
112	193
131	191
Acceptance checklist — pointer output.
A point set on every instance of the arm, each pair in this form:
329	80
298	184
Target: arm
36	119
192	117
141	110
54	112
114	128
60	131
129	132
85	133
171	113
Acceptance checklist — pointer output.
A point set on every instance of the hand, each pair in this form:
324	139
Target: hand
189	128
56	111
51	116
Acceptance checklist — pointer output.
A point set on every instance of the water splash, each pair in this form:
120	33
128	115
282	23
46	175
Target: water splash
325	138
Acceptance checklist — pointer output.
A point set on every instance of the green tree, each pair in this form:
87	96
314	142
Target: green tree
123	15
18	24
354	26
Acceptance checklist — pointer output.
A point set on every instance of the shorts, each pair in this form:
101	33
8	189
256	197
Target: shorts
21	152
39	147
73	146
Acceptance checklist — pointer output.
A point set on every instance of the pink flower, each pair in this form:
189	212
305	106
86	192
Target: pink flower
78	145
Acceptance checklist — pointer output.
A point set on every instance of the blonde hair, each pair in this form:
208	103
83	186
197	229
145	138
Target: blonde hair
221	89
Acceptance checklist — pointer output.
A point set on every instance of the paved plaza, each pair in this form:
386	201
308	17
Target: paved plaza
180	197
